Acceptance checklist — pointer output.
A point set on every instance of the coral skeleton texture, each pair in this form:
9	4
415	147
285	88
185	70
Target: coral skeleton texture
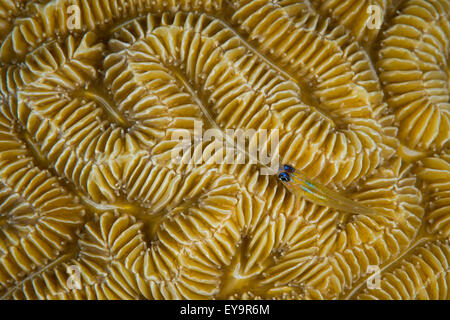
91	92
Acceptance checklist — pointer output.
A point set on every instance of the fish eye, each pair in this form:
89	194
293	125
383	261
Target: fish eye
284	177
288	168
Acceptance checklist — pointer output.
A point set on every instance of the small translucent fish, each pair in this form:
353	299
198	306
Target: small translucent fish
319	194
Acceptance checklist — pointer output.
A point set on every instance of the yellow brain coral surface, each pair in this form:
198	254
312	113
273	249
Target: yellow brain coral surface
92	205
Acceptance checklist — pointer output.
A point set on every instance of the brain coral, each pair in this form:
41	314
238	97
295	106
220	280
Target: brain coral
91	93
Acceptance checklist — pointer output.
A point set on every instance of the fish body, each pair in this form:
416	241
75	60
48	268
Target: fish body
300	185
